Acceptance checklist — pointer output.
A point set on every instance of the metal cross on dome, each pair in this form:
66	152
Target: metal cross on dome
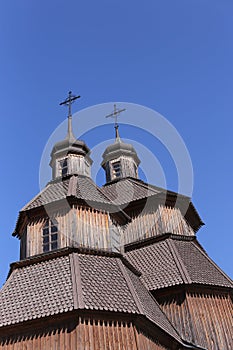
115	114
68	102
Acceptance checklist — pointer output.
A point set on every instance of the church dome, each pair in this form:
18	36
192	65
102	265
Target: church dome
119	148
70	145
70	156
120	160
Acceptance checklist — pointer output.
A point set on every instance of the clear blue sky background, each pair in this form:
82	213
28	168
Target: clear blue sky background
173	56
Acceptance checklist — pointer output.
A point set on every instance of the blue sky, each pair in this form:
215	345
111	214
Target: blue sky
172	56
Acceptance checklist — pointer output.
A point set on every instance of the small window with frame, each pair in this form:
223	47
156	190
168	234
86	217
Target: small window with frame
50	235
63	167
116	166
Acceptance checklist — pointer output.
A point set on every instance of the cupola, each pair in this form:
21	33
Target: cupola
120	160
70	156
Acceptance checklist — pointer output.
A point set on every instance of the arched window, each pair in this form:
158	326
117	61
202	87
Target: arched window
50	235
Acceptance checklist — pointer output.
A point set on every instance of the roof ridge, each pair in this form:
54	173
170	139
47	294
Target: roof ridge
76	176
212	262
131	286
72	186
179	263
103	194
7	281
112	203
35	197
145	242
76	281
35	259
178	336
144	184
129	265
140	304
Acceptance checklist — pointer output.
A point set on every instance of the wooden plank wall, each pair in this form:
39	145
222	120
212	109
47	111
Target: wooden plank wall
205	319
176	308
212	320
128	168
145	343
153	223
88	227
87	335
82	226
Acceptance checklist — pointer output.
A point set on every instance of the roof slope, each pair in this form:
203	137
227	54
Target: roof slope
172	262
127	190
81	187
121	192
117	195
39	288
149	305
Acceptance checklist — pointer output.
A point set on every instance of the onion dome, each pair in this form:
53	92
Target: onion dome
120	160
70	156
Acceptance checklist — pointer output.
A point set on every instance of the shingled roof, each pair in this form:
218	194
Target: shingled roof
57	284
130	191
172	261
127	190
117	194
79	186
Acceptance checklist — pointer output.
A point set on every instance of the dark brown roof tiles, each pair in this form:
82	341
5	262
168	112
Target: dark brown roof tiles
104	285
150	306
171	262
201	269
128	190
81	187
156	264
36	291
76	281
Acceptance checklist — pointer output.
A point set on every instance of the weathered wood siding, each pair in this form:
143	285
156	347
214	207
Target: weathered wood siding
128	167
153	223
76	164
88	227
205	319
145	343
86	335
79	226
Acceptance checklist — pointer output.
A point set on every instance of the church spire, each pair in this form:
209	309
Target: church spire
120	159
68	102
115	114
70	156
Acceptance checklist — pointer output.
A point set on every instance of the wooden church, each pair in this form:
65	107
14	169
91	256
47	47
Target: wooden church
116	267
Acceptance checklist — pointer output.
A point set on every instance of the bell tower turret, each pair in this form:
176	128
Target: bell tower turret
70	156
120	159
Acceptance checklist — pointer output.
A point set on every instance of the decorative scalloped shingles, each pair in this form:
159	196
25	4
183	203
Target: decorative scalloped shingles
160	269
104	287
201	269
156	264
151	308
36	291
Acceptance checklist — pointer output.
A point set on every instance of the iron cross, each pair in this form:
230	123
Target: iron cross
115	114
68	102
